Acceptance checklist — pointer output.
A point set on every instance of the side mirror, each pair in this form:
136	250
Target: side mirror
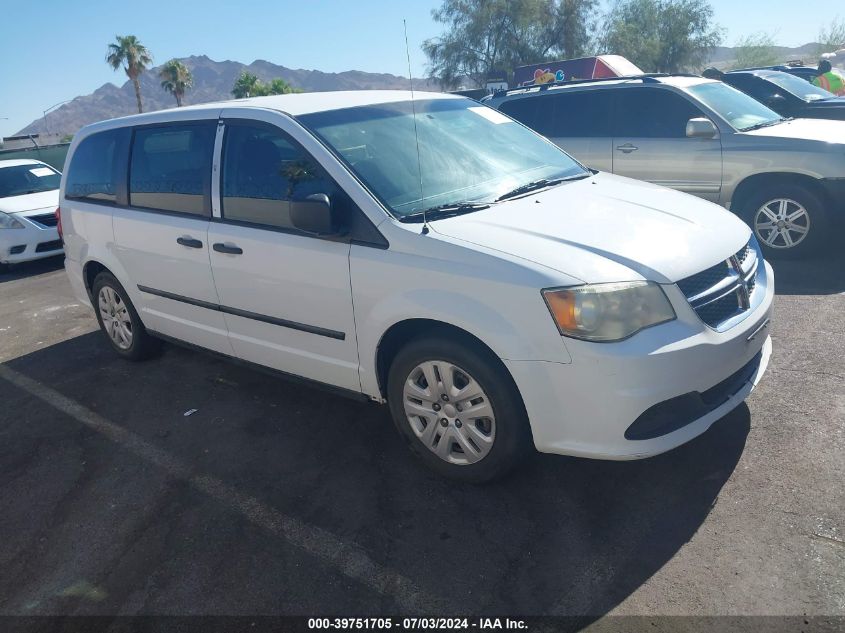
313	214
701	128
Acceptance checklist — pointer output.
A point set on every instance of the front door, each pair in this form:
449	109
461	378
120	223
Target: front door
285	294
650	142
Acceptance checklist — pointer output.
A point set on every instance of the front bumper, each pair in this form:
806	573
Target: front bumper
34	241
585	408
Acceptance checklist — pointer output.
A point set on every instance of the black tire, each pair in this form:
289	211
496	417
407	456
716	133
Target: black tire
511	439
816	221
142	345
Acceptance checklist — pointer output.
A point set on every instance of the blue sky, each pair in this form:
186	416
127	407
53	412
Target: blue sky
52	50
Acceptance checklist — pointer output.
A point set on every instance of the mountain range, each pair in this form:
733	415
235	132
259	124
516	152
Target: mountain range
213	81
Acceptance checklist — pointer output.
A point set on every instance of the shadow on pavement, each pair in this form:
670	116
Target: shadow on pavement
821	275
561	536
30	269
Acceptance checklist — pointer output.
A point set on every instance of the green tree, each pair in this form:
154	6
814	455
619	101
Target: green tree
247	85
128	52
757	49
832	36
279	87
484	36
176	79
661	35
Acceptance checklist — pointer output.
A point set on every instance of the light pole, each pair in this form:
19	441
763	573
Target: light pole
53	107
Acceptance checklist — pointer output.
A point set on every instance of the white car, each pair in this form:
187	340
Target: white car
429	253
29	195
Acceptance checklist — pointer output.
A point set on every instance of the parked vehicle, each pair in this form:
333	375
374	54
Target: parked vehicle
783	177
431	254
788	95
807	73
29	193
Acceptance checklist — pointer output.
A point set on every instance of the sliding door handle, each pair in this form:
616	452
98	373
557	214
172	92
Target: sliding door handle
189	242
229	250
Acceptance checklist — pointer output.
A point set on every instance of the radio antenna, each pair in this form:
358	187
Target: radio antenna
416	133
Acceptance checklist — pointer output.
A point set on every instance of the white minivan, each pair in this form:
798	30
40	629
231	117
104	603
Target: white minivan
426	252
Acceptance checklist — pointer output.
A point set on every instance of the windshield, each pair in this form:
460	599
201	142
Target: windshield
19	180
467	152
801	88
740	110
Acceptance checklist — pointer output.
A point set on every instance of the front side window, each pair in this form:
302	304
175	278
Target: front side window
95	166
264	170
20	180
652	113
737	108
452	151
170	168
804	90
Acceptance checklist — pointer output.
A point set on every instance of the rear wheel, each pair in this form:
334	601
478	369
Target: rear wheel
119	320
788	220
458	409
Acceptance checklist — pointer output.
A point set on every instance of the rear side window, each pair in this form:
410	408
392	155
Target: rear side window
652	113
96	166
264	170
523	110
580	115
170	168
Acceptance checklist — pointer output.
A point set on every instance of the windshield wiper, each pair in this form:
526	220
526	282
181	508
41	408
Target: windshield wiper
536	185
757	126
448	210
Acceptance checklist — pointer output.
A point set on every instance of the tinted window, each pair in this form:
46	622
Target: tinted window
20	180
170	168
653	113
95	166
263	171
757	88
580	114
523	110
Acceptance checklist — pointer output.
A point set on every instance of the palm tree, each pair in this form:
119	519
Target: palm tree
176	79
128	52
247	85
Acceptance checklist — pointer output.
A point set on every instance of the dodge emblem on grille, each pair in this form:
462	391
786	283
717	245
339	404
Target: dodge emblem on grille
742	293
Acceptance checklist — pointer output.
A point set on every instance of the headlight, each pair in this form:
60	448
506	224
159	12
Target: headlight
9	222
608	312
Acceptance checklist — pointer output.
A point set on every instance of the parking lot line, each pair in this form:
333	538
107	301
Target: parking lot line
347	558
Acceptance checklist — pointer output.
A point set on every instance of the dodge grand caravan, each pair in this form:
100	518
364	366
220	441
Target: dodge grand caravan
785	178
428	253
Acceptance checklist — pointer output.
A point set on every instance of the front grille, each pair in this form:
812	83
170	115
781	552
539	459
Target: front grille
45	219
53	245
724	291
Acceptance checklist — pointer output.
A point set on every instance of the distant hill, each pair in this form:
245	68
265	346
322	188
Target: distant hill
724	56
213	81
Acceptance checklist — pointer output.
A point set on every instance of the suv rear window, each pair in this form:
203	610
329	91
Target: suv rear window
565	115
170	168
652	113
96	165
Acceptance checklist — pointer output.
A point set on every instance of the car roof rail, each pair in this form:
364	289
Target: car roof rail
646	78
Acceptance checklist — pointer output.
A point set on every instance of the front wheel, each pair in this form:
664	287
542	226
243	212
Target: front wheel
458	409
788	220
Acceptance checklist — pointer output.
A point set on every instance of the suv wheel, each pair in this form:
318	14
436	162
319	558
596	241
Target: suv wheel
458	409
788	220
119	320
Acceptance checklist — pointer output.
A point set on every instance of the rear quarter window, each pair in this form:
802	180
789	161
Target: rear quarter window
96	166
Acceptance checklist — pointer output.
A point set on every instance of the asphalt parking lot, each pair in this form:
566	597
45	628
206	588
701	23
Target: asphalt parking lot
273	498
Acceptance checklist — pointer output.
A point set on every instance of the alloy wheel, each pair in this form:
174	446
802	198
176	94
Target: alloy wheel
449	412
782	223
116	320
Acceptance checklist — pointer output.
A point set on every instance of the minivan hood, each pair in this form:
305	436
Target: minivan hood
30	202
824	130
606	228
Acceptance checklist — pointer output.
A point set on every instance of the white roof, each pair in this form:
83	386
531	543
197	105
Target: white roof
19	161
293	104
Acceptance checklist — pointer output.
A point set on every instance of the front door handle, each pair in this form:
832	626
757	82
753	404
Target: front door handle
229	250
627	148
189	242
